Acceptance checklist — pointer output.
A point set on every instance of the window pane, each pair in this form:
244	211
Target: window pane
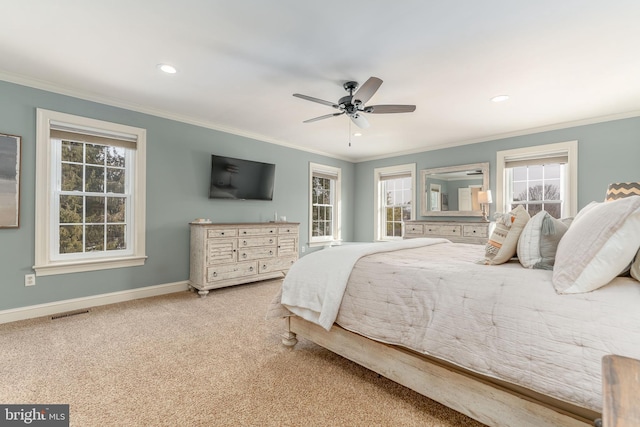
71	151
328	213
70	239
95	209
554	209
534	208
115	180
520	173
406	213
519	191
95	154
397	229
535	172
71	209
71	178
116	209
552	189
95	238
535	190
95	179
115	237
116	156
552	171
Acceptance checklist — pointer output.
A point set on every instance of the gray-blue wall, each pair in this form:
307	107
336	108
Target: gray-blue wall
178	167
607	152
178	172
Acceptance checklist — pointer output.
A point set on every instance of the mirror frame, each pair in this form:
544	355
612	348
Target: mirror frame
424	211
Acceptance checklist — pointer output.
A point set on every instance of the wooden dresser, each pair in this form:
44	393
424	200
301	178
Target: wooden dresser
456	231
230	254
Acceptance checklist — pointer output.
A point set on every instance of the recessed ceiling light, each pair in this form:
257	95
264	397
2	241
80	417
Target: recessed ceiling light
169	69
500	98
357	134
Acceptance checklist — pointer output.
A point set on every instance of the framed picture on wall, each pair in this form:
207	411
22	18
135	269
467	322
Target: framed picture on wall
10	150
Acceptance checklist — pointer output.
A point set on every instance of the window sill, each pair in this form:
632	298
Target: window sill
89	265
324	243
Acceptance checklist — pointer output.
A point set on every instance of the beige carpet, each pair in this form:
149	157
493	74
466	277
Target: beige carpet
180	360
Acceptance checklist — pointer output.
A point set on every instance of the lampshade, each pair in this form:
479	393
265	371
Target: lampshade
484	197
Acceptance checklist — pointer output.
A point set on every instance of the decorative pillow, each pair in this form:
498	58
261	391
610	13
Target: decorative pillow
619	190
539	240
503	243
601	242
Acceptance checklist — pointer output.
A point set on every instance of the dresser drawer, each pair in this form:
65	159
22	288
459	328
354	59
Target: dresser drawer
222	232
256	241
287	230
256	253
277	264
231	271
256	231
475	230
414	229
442	230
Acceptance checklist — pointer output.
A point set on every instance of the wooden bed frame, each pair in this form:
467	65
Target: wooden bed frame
480	398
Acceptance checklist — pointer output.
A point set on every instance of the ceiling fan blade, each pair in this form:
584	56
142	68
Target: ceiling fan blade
367	90
326	116
386	109
360	121
320	101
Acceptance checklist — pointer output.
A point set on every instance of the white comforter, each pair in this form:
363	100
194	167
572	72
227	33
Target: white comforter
315	284
505	321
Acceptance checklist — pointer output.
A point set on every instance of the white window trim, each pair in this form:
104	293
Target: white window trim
337	225
570	207
377	196
44	265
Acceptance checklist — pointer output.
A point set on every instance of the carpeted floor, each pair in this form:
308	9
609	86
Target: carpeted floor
180	360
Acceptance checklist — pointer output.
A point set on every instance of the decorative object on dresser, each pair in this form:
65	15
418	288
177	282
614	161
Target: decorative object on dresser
227	254
456	231
484	199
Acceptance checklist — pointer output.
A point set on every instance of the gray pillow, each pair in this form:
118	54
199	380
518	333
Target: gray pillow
539	240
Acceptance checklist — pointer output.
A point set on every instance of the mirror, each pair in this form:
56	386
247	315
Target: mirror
453	190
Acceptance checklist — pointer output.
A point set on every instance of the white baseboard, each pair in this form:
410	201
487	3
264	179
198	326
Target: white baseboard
64	306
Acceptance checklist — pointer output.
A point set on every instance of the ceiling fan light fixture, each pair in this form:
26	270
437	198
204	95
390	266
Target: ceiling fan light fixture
500	98
169	69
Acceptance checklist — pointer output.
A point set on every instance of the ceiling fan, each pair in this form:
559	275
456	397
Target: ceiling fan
353	104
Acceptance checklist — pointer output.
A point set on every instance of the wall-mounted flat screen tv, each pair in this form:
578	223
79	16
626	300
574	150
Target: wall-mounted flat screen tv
241	179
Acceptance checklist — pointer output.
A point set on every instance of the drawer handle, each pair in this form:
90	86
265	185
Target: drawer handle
429	229
270	252
244	232
215	274
474	231
250	268
264	266
270	240
244	242
244	255
222	233
270	231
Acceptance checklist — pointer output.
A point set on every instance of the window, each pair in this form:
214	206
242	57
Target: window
325	182
539	178
90	194
394	200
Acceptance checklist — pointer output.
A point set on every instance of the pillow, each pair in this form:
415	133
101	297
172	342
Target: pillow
635	267
539	240
601	242
502	244
618	190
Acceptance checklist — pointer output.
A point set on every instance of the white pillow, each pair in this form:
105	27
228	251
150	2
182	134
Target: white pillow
539	240
503	243
601	242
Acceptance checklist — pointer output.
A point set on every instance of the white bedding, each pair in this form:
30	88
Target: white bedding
314	286
504	321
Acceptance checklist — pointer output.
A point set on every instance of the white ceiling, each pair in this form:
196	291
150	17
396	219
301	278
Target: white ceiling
561	61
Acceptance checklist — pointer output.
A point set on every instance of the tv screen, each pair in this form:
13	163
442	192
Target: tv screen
241	179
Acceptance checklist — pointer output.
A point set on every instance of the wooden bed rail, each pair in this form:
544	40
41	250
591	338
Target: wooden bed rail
479	399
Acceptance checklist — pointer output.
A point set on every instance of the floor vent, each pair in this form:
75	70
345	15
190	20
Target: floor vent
69	314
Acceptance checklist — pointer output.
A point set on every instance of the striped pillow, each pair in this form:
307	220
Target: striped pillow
619	190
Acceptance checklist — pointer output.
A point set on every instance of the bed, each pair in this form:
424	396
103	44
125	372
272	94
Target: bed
503	344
